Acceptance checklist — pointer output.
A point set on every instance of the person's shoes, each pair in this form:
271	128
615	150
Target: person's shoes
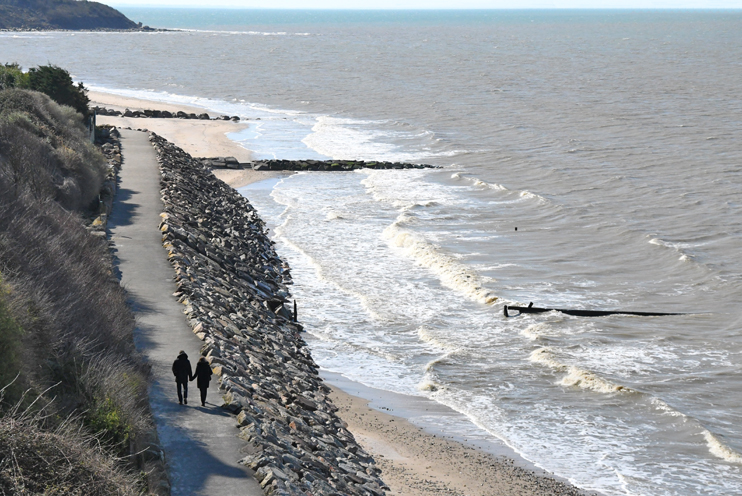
180	402
203	404
185	401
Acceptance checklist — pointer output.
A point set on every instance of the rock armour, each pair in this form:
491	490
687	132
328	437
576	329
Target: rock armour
308	165
234	288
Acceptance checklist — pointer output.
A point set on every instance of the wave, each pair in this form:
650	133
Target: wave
333	215
355	139
451	273
424	334
588	380
576	376
498	187
535	331
678	247
249	33
319	270
719	449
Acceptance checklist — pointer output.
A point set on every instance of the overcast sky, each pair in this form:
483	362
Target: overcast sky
433	4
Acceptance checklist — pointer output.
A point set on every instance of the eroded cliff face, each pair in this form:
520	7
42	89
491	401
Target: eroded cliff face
234	288
61	14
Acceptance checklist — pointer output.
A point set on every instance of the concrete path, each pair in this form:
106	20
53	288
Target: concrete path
200	443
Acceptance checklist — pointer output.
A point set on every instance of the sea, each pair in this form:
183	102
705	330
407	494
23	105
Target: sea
588	159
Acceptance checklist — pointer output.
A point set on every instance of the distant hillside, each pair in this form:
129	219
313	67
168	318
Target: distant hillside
61	14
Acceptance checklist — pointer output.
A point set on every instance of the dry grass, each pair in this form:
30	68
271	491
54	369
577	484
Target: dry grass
36	460
69	315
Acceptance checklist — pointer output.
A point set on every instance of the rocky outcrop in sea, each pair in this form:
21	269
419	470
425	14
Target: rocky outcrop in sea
235	291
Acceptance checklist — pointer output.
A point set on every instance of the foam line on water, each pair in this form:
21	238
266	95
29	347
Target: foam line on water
476	182
721	450
678	247
585	379
575	376
451	273
355	139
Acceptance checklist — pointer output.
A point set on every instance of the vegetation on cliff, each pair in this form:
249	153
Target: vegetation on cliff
74	404
61	14
48	79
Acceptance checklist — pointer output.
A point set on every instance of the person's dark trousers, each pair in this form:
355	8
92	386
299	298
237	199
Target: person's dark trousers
184	395
203	396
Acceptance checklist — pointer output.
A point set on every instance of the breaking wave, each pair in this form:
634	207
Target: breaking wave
721	450
451	273
576	376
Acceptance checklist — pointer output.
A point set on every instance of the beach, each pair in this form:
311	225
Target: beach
200	138
415	460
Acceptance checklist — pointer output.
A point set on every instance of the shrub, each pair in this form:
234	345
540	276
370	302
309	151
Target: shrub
12	76
76	324
57	83
61	461
44	147
10	348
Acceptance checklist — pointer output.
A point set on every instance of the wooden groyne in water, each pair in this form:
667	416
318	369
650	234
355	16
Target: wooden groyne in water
235	291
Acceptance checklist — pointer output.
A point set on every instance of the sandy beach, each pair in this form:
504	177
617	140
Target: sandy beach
197	137
414	460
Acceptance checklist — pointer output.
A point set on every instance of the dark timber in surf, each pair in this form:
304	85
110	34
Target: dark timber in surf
582	313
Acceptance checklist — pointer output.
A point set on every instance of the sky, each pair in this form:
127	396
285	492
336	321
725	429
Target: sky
432	4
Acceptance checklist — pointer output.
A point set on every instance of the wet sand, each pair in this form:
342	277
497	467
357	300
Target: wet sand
417	461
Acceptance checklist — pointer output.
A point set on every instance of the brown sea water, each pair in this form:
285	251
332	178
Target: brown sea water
610	139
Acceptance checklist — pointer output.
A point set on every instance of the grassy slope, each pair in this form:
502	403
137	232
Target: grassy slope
64	320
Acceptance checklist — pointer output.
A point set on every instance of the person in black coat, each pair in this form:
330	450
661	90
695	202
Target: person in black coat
203	377
183	373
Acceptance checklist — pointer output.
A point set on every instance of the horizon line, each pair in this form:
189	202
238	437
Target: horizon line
232	7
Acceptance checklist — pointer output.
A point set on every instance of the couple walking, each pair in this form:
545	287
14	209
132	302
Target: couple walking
183	373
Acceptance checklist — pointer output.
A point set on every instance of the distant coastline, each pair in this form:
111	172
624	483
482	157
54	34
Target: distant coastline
64	15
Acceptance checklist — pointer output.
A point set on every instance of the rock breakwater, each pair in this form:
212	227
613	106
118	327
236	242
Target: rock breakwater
308	165
160	114
235	291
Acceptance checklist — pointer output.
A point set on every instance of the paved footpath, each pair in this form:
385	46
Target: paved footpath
200	443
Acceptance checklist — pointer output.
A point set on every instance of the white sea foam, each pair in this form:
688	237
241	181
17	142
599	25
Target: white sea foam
247	33
499	187
425	335
721	450
334	215
354	139
450	272
536	331
575	376
678	247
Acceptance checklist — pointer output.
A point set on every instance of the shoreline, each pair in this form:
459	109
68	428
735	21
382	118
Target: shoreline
418	458
198	138
415	460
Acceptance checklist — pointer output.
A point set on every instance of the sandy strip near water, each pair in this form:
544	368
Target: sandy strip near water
415	459
419	458
198	138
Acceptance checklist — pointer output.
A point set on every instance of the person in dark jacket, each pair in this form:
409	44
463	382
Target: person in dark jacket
202	376
183	373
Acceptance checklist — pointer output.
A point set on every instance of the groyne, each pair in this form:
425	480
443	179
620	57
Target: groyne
308	165
234	288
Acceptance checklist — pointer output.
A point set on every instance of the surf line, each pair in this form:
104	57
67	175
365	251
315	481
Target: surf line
581	313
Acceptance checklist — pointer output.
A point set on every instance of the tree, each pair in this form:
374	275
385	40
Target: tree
12	76
57	83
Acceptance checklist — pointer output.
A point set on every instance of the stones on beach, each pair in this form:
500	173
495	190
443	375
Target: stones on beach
234	289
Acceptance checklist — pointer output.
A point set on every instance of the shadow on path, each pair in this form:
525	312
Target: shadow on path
200	444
